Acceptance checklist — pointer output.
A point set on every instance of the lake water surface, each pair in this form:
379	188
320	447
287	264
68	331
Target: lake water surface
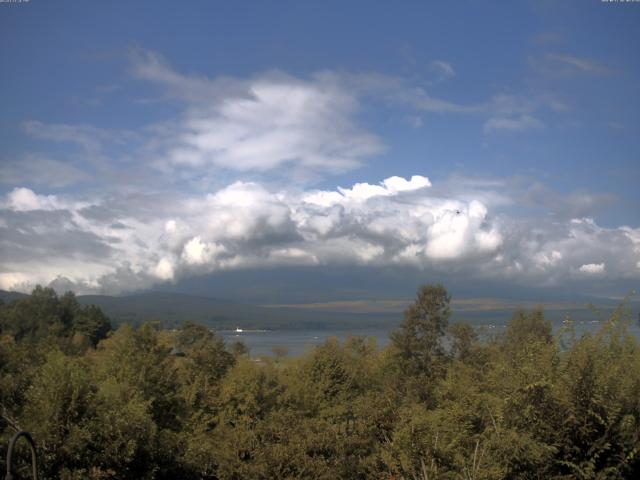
262	342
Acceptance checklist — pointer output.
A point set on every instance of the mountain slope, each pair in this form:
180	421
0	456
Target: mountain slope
10	296
172	309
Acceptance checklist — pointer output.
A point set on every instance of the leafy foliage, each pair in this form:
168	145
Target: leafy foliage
438	402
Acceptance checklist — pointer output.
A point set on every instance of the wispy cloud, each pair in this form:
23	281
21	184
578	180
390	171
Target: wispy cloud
268	123
546	38
513	113
38	170
564	65
584	65
86	136
263	123
514	124
572	205
442	70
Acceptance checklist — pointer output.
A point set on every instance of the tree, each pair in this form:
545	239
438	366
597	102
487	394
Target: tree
463	338
44	315
58	404
238	349
92	323
205	351
36	316
418	342
526	327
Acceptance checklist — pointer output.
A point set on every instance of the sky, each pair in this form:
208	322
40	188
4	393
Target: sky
320	150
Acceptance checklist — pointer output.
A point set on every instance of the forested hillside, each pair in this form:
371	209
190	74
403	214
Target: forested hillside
437	403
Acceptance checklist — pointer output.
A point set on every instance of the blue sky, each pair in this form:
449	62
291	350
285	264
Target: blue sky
145	144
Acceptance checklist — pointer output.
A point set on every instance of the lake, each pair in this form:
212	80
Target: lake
261	342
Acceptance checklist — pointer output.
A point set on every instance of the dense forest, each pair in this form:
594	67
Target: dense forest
437	403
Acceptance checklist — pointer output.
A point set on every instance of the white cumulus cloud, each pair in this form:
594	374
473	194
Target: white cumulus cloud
113	244
592	268
25	199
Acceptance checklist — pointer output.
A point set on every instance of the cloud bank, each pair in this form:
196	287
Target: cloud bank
118	244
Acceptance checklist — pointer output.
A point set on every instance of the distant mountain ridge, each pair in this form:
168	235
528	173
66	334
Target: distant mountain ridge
174	308
171	309
10	296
